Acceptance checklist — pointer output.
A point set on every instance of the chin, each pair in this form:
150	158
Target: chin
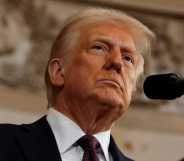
110	98
112	106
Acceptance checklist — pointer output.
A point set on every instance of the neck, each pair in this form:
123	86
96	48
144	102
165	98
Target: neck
91	120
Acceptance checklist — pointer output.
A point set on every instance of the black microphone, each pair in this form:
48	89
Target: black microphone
164	86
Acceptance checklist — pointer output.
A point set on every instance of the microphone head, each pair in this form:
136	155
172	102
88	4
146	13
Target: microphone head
162	86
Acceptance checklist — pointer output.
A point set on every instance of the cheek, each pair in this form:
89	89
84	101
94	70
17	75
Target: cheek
83	71
78	79
89	67
130	82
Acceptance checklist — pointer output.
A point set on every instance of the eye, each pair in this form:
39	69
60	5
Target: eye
128	58
98	48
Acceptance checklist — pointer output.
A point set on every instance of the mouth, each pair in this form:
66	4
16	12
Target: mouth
111	82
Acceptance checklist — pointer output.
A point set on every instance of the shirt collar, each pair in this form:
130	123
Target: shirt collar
63	127
104	140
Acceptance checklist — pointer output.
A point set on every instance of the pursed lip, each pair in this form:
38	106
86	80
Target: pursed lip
111	81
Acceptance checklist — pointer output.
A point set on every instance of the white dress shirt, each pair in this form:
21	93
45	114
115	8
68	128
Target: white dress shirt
67	132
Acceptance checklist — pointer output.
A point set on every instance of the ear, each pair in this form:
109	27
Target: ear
56	72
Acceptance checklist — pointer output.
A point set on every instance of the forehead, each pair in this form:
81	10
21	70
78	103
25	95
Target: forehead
112	31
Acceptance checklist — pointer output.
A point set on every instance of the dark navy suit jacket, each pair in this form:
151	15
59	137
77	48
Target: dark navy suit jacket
36	142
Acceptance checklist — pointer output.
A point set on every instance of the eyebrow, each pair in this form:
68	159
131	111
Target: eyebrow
109	41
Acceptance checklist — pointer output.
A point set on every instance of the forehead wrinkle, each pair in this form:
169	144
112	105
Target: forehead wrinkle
113	42
97	30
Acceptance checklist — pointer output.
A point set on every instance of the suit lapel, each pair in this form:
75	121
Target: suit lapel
115	152
37	142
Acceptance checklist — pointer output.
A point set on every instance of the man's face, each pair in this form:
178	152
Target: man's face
102	68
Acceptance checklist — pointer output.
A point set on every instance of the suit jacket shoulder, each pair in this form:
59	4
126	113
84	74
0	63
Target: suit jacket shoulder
7	142
36	142
28	142
6	131
116	152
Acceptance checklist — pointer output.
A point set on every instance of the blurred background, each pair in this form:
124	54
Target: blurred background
152	129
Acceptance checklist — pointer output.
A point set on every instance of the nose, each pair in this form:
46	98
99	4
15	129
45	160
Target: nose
114	62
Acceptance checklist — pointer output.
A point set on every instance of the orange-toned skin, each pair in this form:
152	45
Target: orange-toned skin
98	80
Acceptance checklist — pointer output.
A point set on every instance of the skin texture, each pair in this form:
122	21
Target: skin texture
96	85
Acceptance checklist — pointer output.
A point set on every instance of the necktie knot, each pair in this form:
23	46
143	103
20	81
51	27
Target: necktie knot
89	142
